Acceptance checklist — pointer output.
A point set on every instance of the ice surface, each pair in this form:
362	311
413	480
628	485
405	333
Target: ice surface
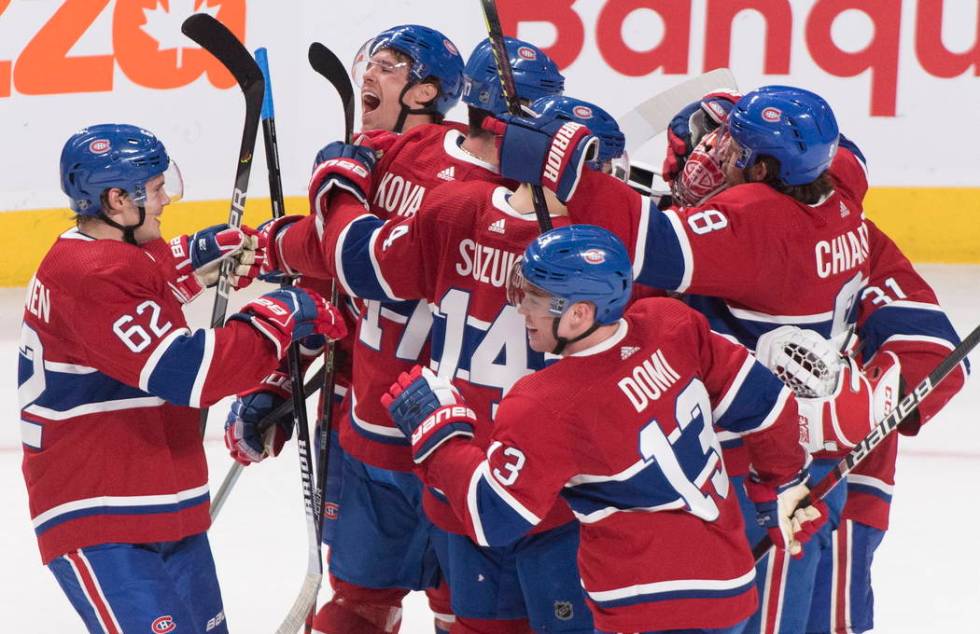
926	574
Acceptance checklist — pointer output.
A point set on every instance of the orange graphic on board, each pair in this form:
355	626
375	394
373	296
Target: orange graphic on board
147	45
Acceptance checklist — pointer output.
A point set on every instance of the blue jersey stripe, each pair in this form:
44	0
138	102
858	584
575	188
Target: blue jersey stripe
357	268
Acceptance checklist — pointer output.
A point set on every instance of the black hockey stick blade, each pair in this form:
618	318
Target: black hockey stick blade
506	75
888	424
327	64
214	37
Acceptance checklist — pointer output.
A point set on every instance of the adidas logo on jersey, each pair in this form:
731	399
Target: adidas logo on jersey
497	226
627	351
448	174
844	211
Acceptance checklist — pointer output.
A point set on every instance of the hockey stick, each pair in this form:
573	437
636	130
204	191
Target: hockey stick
329	66
215	38
311	584
887	425
235	470
506	74
652	117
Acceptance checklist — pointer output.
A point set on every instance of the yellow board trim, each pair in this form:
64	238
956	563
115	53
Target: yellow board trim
928	224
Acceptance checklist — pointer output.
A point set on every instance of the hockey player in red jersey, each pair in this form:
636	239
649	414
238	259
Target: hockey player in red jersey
898	319
791	205
110	379
622	429
455	253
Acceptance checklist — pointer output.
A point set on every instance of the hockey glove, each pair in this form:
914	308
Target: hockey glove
275	269
691	124
429	410
289	314
198	258
543	150
839	403
242	436
341	166
788	526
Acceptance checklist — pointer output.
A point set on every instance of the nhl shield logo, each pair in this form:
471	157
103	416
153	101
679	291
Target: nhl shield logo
564	610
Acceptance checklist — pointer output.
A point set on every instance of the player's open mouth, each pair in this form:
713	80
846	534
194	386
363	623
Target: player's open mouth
369	101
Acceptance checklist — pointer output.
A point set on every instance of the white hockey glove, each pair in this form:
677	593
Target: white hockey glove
839	403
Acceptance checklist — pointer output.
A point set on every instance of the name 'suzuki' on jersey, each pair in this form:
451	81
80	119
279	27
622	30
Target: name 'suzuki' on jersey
842	253
485	264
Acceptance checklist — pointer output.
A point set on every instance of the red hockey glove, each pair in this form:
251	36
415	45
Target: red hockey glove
341	166
288	314
788	527
198	258
274	266
429	410
690	124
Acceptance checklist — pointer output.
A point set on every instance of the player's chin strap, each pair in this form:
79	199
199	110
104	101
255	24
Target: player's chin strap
129	231
564	341
405	111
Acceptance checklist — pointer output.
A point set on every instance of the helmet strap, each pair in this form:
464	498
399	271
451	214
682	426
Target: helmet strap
405	110
128	231
564	341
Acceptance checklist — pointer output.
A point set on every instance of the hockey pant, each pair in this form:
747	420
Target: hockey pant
156	587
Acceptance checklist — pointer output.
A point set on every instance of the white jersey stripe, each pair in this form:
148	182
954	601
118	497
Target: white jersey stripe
94	408
154	358
729	397
676	585
686	251
203	370
119	501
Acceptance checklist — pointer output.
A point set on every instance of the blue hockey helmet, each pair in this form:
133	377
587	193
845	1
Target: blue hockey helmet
535	75
577	263
612	141
114	155
432	54
792	125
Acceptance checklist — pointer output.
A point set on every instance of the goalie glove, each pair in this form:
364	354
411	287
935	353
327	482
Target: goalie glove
789	525
429	410
839	403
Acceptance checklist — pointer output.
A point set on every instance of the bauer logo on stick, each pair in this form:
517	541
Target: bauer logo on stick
99	146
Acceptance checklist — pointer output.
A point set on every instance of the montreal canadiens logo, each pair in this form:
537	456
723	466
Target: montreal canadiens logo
772	115
163	624
582	112
527	53
450	47
594	256
99	146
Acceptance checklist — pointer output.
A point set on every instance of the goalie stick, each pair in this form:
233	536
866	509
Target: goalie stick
505	73
215	38
652	117
881	431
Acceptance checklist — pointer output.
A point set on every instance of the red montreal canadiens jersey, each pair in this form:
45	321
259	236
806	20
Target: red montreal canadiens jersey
898	313
455	253
623	431
750	259
109	381
391	337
